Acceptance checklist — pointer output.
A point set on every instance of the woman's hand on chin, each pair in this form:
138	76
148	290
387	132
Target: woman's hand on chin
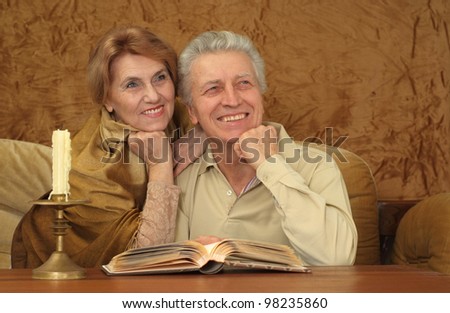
152	147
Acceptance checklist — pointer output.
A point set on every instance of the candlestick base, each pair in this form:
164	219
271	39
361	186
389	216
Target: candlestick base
59	265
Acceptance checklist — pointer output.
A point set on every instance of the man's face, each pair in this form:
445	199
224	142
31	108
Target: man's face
226	98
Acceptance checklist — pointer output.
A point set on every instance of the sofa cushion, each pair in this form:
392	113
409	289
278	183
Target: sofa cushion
25	175
363	197
423	235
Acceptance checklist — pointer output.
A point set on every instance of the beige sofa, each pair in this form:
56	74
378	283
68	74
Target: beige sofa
25	175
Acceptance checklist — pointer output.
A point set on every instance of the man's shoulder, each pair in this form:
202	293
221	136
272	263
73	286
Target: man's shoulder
189	174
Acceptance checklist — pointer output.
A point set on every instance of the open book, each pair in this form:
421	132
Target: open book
188	256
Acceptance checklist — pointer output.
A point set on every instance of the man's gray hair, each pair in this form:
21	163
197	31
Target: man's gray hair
216	41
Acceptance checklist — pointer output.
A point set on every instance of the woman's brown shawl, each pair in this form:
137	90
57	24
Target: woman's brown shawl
114	180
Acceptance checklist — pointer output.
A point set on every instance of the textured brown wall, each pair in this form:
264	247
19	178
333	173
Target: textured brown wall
375	71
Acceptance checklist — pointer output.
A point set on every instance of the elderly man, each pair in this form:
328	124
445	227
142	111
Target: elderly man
253	181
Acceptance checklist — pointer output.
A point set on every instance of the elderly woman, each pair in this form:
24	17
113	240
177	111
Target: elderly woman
121	159
254	182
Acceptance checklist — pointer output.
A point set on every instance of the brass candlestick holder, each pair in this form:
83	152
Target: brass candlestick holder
59	265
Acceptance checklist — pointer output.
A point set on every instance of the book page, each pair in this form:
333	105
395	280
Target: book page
188	254
246	250
243	264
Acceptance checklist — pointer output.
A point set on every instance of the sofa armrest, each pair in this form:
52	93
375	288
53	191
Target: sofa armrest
423	235
25	175
390	213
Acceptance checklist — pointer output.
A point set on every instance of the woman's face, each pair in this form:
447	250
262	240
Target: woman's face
142	93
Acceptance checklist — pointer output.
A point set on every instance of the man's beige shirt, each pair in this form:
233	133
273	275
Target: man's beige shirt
301	201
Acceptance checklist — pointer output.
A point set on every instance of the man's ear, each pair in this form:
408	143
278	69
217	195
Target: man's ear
192	115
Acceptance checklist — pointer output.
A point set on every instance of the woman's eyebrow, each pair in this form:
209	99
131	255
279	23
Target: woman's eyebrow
161	71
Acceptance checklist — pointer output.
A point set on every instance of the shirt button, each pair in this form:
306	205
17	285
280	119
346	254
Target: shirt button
229	192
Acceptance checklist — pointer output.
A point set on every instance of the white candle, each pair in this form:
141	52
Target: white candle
61	162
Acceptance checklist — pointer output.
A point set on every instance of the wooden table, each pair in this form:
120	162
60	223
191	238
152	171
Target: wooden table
354	279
